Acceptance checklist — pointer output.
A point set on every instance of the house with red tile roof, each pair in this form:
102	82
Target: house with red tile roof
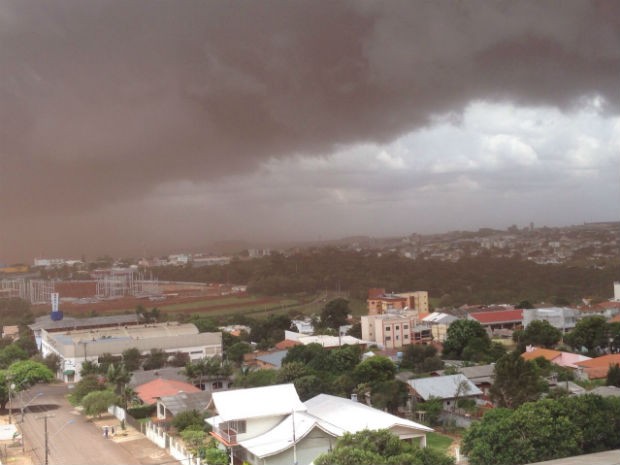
597	368
563	359
498	319
153	390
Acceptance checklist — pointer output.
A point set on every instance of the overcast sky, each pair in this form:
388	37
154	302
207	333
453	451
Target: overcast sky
149	126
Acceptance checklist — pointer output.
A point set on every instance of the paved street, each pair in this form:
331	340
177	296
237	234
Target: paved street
73	439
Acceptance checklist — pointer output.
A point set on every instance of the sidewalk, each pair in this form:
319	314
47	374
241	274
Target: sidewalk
11	450
119	435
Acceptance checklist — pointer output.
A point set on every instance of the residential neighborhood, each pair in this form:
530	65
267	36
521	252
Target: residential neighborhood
217	395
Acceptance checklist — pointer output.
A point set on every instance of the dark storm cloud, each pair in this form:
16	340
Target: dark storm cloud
101	101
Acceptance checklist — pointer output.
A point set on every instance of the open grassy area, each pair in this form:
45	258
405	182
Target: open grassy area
438	442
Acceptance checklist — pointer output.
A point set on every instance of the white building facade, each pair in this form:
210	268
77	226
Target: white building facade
76	347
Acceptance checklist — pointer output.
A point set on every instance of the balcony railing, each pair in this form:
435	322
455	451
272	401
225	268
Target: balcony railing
227	434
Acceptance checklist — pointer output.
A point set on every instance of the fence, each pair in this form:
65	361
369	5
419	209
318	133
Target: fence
173	446
157	434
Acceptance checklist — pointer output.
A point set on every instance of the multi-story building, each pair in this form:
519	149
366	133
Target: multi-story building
395	329
439	322
78	346
380	302
562	318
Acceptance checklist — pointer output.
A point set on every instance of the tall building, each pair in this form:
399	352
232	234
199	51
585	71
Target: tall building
380	302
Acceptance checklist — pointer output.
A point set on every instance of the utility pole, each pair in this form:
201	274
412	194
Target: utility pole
46	445
47	450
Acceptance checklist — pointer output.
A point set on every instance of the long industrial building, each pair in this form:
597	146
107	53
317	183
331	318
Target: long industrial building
75	347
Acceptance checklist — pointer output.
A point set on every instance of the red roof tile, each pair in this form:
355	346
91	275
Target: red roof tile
502	316
287	344
598	367
149	392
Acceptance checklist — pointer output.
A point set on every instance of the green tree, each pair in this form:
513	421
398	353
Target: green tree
466	340
516	381
375	369
421	358
190	419
86	385
292	371
536	431
335	314
238	350
105	360
390	395
590	333
97	402
155	359
27	373
215	456
538	333
309	386
10	354
132	359
613	376
89	368
256	378
118	377
380	447
193	439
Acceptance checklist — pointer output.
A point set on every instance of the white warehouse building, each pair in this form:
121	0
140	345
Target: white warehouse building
77	346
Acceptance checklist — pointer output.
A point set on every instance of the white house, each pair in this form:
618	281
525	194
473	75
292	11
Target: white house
279	430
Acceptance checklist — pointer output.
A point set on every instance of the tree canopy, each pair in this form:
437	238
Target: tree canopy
380	447
544	430
538	333
590	333
516	381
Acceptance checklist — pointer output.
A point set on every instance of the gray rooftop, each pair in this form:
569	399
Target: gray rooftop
45	322
141	377
605	391
444	387
186	401
273	358
611	457
477	374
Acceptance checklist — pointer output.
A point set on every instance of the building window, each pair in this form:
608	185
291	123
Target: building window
406	336
397	337
405	326
397	327
388	338
387	328
239	426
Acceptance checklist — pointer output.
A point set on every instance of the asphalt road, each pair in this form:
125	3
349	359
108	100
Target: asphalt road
72	440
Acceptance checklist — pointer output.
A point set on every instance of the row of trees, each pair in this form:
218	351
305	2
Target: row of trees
544	430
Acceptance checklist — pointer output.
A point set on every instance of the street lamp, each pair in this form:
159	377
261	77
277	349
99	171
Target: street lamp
11	388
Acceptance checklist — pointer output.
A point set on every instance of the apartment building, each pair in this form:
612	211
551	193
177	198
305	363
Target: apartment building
380	302
395	329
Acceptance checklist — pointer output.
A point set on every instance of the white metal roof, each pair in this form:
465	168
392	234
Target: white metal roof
334	415
283	435
444	387
351	416
280	399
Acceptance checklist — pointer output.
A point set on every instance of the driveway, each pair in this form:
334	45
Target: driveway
74	440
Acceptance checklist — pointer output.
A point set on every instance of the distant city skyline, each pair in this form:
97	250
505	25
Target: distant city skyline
228	247
143	128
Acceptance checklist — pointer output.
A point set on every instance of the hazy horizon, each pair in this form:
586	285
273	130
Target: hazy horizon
134	128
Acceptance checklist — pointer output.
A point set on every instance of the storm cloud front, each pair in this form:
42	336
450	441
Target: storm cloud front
144	126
